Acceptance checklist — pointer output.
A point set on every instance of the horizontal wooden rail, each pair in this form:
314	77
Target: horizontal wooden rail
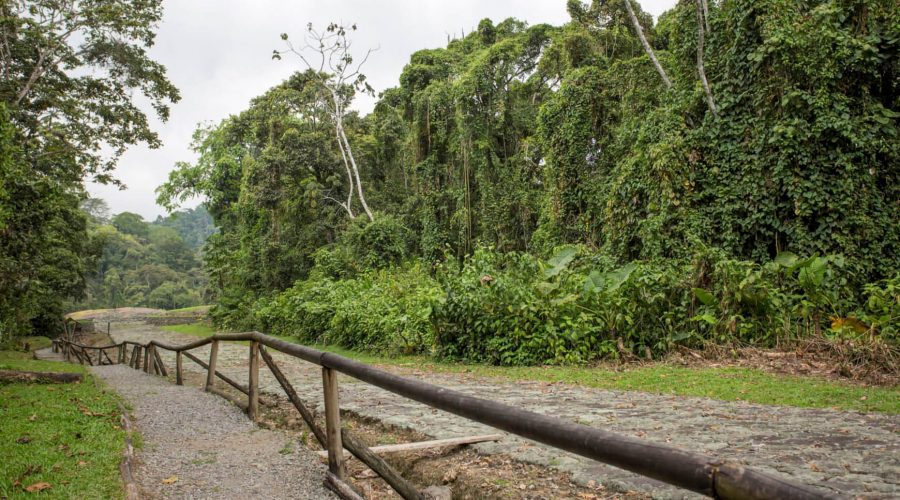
696	472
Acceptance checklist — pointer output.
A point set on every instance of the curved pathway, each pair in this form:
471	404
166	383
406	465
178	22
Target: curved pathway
843	451
197	445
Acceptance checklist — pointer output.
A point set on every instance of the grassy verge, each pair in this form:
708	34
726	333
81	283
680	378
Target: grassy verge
66	436
724	383
188	309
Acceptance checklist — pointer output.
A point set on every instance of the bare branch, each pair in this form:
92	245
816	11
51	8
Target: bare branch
649	50
700	66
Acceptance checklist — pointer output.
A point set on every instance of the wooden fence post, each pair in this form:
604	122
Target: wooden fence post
253	389
178	379
148	358
211	371
333	423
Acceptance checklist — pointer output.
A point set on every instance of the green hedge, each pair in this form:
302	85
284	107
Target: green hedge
515	309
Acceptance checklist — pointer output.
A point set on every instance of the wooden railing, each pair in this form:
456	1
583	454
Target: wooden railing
703	474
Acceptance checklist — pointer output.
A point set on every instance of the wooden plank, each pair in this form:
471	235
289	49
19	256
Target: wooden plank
253	396
178	369
159	363
240	403
341	488
333	423
382	468
126	466
211	369
424	445
295	400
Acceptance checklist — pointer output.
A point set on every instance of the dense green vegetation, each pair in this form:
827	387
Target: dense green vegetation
70	73
65	435
141	264
546	194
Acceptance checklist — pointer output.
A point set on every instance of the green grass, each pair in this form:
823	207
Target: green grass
33	343
724	383
197	330
17	360
187	309
66	435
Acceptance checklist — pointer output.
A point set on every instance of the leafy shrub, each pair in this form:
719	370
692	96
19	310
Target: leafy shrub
384	310
515	309
378	243
576	307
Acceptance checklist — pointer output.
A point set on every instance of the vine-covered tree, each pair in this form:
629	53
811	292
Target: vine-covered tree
714	140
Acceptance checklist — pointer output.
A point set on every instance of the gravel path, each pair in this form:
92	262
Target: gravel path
846	452
210	445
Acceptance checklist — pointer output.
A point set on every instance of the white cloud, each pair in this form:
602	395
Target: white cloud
218	53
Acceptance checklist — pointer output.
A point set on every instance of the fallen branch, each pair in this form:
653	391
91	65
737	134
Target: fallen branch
424	445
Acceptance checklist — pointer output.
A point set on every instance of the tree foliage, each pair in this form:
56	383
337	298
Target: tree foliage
687	159
133	263
71	74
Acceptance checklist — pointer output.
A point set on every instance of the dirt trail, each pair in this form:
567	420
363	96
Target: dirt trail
197	445
845	452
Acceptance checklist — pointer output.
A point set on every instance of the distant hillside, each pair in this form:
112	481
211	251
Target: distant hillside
139	264
194	225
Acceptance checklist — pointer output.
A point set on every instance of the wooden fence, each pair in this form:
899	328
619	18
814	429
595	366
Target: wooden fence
692	471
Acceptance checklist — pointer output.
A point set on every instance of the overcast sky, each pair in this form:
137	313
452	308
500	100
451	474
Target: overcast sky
218	53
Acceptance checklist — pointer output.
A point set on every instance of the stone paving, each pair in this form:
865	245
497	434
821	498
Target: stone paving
844	452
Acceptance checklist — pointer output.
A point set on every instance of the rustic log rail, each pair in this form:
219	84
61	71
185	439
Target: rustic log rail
696	472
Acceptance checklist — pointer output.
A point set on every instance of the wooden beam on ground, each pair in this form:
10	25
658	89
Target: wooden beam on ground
382	468
40	377
240	403
295	400
341	488
126	466
424	445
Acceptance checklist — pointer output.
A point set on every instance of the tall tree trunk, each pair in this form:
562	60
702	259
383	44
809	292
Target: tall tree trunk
701	37
359	190
647	48
348	206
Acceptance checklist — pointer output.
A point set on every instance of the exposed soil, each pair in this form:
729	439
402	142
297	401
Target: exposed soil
830	360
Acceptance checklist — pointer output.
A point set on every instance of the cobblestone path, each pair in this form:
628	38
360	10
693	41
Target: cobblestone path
846	452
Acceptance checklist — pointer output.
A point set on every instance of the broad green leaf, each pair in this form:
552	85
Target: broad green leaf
705	296
786	259
560	261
